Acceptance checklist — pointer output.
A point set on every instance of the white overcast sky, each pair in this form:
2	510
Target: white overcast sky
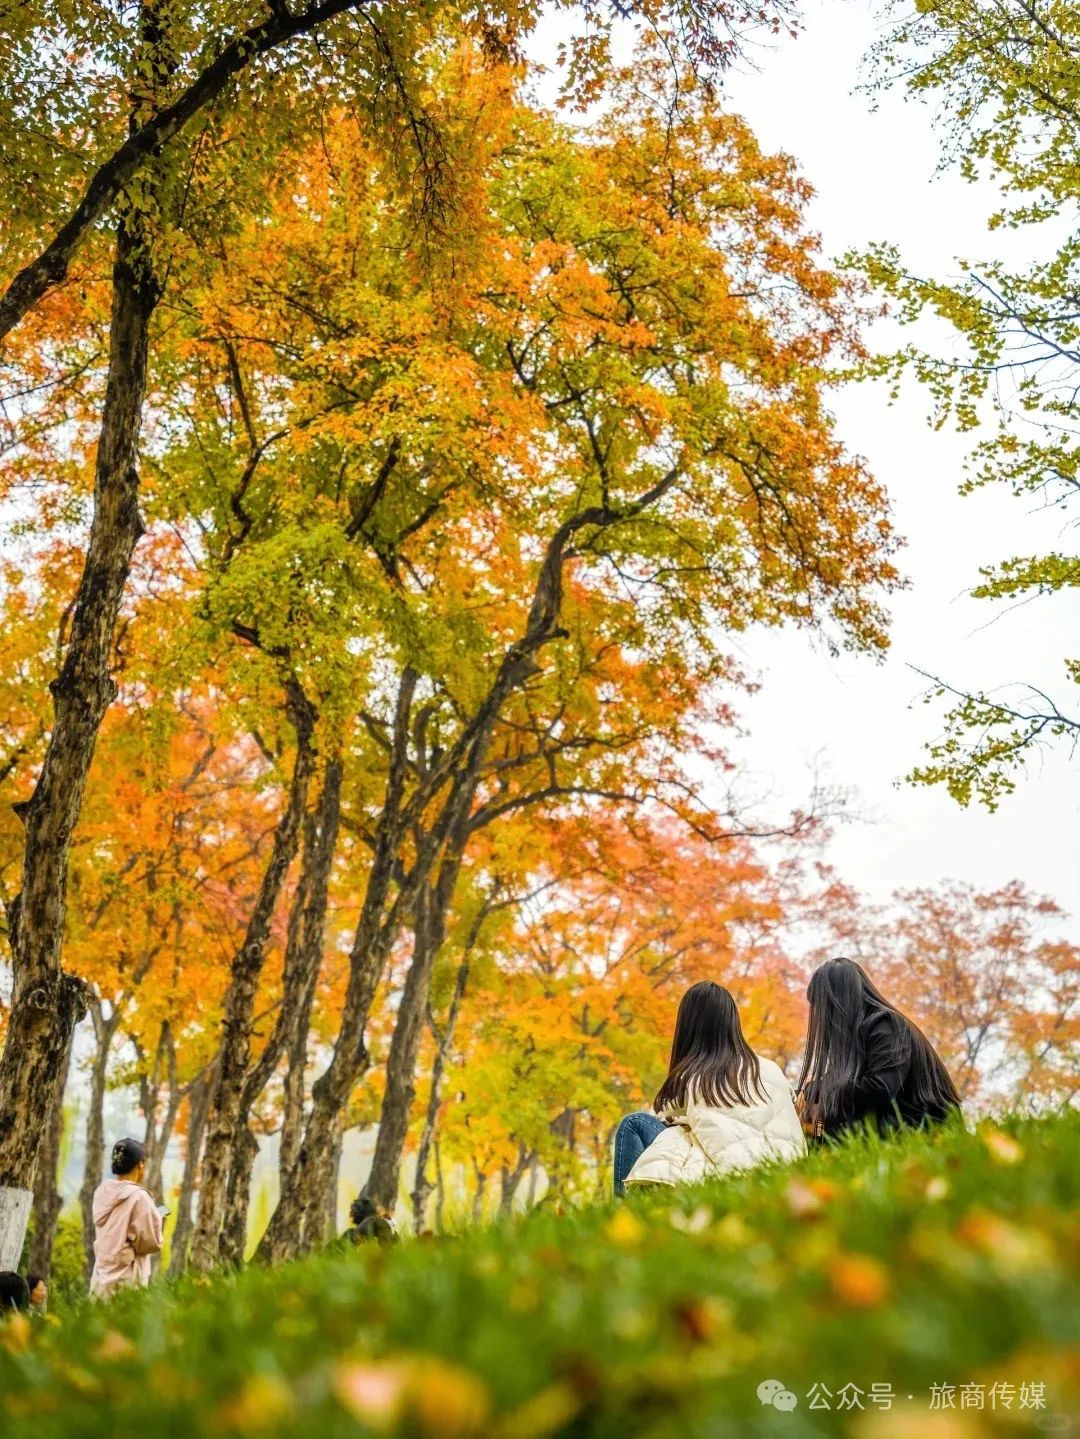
876	178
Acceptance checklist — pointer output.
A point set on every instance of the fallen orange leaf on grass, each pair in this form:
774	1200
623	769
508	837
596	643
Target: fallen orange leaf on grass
443	1400
115	1348
372	1393
858	1280
805	1198
1003	1149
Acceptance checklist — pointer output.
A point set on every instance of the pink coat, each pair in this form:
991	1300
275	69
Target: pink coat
127	1233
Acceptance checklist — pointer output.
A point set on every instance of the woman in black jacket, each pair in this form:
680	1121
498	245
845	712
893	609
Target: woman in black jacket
865	1060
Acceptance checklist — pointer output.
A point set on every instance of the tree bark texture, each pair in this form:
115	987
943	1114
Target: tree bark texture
48	1201
423	1187
46	1002
299	1199
300	973
198	1104
234	1052
430	913
94	1170
159	1132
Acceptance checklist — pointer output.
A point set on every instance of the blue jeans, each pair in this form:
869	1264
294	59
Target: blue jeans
633	1136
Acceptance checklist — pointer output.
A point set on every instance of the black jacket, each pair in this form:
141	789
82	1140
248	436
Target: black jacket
883	1091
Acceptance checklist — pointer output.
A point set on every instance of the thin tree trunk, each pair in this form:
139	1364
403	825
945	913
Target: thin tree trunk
293	1095
310	952
382	1185
93	1173
422	1186
238	1197
321	1188
48	1201
440	1190
303	959
327	1228
448	835
511	1179
376	931
478	1195
235	1049
46	1002
159	1135
198	1104
432	906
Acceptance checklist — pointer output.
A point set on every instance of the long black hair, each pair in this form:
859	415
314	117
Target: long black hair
844	1002
709	1054
14	1291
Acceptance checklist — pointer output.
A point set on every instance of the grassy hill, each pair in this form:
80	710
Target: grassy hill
944	1260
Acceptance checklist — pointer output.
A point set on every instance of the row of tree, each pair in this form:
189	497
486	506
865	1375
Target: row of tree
391	461
142	146
460	437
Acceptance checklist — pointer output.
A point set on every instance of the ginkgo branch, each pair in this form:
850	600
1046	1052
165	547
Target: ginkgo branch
50	266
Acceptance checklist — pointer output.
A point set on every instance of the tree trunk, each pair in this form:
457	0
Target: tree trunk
158	1136
14	1217
327	1229
292	1113
534	1181
376	931
235	1050
440	1190
382	1185
447	836
309	960
238	1197
46	1002
478	1195
93	1173
48	1201
198	1104
303	958
511	1179
303	1193
422	1186
432	905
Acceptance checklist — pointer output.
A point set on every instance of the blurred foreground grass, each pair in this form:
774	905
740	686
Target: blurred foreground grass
923	1287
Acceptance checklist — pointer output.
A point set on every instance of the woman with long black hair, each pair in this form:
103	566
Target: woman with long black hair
865	1060
720	1108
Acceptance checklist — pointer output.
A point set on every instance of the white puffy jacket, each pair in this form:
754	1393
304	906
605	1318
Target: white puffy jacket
704	1141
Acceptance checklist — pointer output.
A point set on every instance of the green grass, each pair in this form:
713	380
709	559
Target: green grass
937	1259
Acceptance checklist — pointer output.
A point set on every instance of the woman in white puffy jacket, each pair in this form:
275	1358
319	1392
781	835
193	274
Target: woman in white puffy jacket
721	1108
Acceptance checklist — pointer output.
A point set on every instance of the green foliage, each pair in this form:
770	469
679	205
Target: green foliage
988	740
1006	78
67	1278
944	1258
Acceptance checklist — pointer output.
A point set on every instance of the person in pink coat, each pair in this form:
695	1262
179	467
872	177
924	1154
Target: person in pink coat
127	1224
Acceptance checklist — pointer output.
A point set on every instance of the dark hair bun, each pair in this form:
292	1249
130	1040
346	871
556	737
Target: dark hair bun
127	1154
